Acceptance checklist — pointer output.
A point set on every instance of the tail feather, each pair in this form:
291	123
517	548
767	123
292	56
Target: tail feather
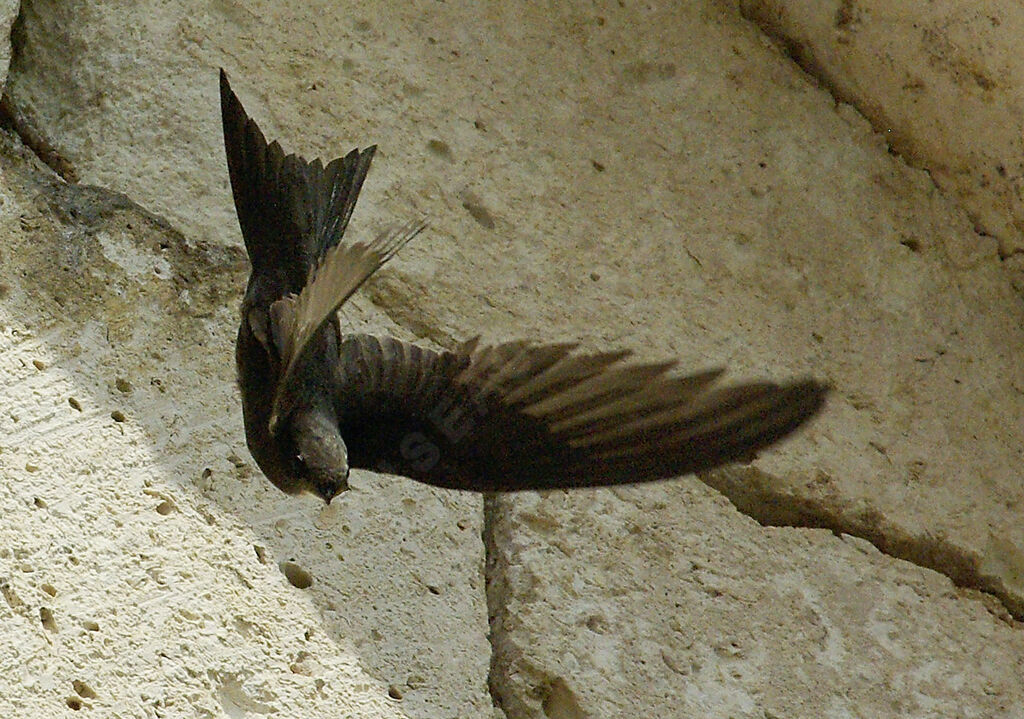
291	211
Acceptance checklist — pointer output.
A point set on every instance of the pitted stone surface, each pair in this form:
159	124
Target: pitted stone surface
660	178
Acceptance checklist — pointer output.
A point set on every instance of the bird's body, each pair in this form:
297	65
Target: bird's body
508	417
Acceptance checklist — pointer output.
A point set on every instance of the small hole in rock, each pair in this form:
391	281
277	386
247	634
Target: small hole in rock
472	204
39	502
91	625
75	404
164	508
10	595
296	575
441	149
74	703
394	692
49	589
117	415
46	617
83	690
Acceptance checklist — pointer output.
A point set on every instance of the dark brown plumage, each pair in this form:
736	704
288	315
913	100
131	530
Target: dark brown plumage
508	417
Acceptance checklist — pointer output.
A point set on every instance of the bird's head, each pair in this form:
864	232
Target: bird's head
321	455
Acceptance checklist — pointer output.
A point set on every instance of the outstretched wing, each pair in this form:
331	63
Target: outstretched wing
523	416
291	211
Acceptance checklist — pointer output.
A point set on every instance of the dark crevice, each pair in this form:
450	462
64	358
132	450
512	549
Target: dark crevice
33	138
771	25
20	121
494	587
758	495
519	688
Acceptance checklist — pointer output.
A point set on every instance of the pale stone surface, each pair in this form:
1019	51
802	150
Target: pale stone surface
944	81
151	538
657	178
667	603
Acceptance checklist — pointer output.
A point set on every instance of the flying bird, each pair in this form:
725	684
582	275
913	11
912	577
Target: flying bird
488	418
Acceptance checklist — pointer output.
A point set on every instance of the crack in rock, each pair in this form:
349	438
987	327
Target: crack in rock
20	121
33	138
495	591
756	494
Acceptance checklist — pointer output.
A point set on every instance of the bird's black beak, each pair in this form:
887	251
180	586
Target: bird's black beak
329	490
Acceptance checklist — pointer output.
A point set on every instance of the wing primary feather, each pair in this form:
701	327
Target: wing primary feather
480	365
558	385
683	420
528	362
657	397
609	386
741	406
507	364
569	370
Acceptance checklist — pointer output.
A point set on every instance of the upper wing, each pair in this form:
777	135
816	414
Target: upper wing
291	211
522	416
295	320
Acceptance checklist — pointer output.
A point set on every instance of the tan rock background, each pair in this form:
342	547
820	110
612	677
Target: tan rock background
941	81
664	178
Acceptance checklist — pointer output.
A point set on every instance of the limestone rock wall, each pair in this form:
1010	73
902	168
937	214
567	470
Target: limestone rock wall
660	177
943	82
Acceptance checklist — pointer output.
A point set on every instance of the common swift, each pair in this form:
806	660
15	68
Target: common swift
488	418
